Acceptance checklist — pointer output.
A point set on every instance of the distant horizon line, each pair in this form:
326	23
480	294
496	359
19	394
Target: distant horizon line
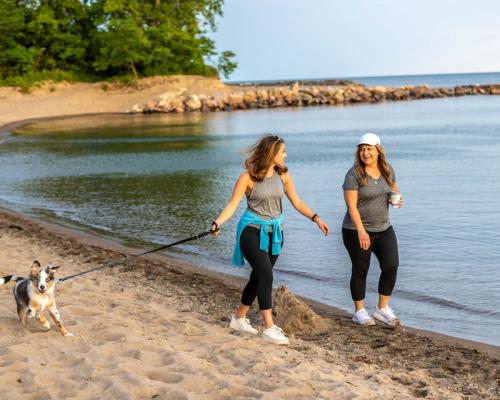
362	77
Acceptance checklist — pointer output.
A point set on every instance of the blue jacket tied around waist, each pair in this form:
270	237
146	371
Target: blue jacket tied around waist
250	218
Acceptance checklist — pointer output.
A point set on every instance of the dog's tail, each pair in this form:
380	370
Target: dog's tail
9	278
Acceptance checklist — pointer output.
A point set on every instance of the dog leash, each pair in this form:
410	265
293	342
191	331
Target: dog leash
128	258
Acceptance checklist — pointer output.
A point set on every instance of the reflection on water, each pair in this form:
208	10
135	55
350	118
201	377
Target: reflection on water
158	178
140	208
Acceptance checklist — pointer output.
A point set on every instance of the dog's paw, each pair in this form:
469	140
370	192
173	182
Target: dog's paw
69	334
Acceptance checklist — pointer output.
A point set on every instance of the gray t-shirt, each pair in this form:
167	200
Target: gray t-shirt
373	202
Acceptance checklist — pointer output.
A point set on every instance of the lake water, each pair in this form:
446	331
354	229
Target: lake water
434	80
153	179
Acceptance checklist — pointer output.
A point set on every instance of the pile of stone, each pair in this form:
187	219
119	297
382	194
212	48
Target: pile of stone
298	95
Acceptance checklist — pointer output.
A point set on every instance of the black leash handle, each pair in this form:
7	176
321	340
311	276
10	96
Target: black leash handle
128	258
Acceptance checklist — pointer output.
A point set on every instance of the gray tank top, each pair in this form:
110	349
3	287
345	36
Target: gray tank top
266	196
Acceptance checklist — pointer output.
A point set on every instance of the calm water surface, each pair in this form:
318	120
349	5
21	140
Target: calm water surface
433	80
154	179
437	80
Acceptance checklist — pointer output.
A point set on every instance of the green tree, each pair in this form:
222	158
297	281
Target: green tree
225	63
15	57
182	27
106	38
159	37
58	29
121	38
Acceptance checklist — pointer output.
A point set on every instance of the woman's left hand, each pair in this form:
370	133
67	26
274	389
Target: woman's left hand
322	225
400	204
214	229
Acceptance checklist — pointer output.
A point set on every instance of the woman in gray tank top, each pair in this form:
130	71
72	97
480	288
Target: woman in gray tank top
259	235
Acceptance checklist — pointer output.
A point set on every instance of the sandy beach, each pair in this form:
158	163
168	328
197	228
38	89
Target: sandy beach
62	99
157	328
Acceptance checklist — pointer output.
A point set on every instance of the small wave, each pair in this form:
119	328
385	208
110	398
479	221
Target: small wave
409	295
89	224
308	275
445	303
5	135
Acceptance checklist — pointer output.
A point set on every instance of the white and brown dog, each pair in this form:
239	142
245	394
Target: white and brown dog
35	294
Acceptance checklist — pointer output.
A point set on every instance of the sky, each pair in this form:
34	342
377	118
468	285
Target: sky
294	39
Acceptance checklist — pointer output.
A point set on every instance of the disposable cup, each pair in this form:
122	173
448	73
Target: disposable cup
395	197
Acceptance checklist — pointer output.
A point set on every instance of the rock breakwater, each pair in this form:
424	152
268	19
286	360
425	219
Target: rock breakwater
300	95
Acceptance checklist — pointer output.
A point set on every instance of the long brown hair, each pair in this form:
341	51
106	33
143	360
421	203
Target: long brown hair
383	166
262	155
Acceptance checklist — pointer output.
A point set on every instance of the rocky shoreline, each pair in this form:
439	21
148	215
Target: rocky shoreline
303	94
179	94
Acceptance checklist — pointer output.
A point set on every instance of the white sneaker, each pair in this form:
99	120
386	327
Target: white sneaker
386	315
275	334
361	317
242	325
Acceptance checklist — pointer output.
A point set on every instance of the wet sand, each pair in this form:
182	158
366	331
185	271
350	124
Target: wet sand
157	328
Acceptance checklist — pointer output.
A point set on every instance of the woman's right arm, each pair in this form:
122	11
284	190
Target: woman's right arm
351	200
241	186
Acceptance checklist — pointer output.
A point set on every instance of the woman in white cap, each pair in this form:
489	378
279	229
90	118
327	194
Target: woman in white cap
366	228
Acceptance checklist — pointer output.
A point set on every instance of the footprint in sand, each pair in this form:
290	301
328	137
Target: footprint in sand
116	392
216	383
169	394
70	360
146	346
190	329
8	357
41	394
11	355
263	385
130	378
164	376
238	358
240	391
167	358
6	363
132	353
375	378
68	394
78	310
112	337
27	380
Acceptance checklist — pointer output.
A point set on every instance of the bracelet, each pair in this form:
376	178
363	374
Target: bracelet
216	226
313	217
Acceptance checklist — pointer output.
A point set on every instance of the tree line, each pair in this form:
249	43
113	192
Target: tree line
99	39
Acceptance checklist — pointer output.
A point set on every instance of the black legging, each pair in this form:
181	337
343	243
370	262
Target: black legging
260	284
385	246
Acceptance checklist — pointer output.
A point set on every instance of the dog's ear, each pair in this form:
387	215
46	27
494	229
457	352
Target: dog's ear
51	270
35	267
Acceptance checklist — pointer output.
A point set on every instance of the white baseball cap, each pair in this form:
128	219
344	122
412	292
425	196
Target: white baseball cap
369	138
